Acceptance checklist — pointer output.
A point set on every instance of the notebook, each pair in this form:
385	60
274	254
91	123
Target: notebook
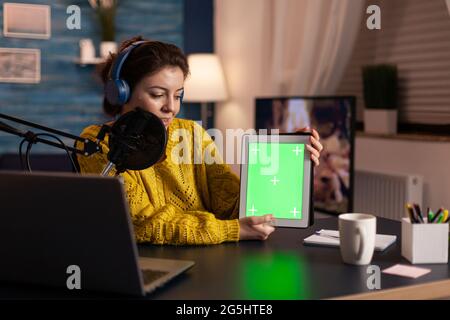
330	238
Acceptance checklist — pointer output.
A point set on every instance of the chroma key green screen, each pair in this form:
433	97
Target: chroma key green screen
275	179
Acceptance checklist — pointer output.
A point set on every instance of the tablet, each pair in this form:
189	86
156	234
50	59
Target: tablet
276	178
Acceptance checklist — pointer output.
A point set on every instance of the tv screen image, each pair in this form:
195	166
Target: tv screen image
333	118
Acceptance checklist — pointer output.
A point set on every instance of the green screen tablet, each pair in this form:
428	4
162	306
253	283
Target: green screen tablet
276	176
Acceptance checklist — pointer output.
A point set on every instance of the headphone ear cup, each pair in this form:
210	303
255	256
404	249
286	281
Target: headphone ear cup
117	92
123	90
111	92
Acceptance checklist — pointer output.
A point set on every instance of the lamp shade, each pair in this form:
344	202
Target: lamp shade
206	82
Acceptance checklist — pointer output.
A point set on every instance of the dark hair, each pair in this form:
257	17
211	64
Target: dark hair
144	60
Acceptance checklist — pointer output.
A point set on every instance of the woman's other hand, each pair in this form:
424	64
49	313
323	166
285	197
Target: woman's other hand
316	147
256	228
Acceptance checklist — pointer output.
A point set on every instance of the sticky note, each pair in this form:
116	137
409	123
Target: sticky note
406	271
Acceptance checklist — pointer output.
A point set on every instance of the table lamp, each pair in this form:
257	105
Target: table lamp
206	82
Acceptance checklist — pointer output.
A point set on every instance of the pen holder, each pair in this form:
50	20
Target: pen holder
425	242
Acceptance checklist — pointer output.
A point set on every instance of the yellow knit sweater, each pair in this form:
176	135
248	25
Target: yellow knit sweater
178	203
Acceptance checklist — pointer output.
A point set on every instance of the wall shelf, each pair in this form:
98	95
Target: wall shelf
405	136
93	61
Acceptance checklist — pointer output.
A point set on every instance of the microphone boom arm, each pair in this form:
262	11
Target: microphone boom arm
137	140
89	147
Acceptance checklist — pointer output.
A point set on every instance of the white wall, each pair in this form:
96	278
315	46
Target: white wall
429	159
238	38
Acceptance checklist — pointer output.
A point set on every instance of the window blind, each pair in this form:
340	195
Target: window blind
414	35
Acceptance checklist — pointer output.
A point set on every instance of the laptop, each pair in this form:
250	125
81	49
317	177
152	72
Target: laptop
58	225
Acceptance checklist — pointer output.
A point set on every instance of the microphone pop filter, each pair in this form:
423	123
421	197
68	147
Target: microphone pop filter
137	140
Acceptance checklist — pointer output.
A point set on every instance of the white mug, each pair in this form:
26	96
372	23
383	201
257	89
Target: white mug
357	237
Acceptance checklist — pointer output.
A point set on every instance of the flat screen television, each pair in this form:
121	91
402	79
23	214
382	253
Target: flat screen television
334	118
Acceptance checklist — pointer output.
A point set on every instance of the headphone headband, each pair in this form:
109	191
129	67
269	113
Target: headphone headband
117	90
121	58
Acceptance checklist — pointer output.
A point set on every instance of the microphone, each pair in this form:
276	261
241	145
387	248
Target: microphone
137	141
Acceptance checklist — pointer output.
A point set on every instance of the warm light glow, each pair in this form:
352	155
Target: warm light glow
206	82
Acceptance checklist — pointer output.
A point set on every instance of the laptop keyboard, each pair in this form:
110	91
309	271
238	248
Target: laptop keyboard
152	275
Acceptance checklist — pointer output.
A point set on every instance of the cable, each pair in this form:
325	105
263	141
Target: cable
27	155
30	137
31	142
22	167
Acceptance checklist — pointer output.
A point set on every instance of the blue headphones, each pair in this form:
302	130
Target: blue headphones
117	90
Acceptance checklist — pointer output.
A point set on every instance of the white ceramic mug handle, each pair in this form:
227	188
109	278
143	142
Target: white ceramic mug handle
361	234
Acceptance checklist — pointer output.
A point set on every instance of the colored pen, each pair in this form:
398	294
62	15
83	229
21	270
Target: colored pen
410	212
430	215
418	212
326	235
436	216
445	216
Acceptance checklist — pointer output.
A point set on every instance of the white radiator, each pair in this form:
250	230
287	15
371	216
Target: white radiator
385	194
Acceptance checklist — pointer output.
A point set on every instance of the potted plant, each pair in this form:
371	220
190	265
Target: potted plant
380	98
106	13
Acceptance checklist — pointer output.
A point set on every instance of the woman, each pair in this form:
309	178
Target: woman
176	203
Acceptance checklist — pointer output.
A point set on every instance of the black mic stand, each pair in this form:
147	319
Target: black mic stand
89	147
137	140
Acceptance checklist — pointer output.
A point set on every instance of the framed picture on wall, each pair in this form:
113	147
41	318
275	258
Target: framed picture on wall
20	65
22	20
